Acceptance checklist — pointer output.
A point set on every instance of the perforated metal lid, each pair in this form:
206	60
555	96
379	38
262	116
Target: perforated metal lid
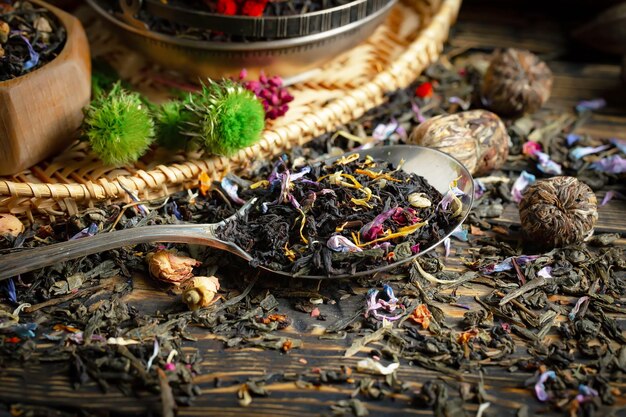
266	27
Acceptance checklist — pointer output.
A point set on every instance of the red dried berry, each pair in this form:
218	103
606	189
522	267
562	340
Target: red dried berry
424	90
226	7
253	8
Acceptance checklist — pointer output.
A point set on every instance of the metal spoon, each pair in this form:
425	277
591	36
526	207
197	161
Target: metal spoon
438	168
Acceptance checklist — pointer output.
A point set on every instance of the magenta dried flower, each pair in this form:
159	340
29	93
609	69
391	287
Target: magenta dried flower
270	91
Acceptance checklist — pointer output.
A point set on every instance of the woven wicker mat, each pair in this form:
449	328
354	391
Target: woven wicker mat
344	89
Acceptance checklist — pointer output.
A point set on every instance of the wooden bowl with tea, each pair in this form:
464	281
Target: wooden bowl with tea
45	82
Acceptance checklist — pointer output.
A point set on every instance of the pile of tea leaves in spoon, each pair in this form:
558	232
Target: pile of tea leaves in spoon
352	215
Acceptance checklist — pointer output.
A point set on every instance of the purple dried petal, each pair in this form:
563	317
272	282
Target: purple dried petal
86	232
614	164
372	229
595	104
415	248
545	272
586	393
417	112
340	243
293	201
507	264
521	183
540	388
231	190
611	195
619	144
479	189
299	175
572	139
547	165
384	131
9	288
374	303
458	100
34	56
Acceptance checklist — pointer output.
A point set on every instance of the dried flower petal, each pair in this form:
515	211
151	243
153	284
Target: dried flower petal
586	105
540	388
572	139
521	183
577	307
547	165
619	144
614	164
530	148
421	315
340	243
371	366
582	151
545	272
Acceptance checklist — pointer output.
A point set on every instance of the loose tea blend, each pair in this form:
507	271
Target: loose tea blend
466	328
353	215
29	38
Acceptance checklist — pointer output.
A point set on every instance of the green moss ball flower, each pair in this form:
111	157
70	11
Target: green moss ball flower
228	117
119	126
171	120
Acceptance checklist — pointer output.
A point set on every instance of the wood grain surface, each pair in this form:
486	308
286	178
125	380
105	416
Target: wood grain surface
481	25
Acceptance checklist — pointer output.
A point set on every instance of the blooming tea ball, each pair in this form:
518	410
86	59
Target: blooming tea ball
558	211
477	138
516	82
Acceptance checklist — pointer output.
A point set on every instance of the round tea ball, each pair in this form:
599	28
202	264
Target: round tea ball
558	211
477	138
516	82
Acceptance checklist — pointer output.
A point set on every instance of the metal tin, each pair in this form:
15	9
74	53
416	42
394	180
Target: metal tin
284	57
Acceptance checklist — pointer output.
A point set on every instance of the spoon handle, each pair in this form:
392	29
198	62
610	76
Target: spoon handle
28	260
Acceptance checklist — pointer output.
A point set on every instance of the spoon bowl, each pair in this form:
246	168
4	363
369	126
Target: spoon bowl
438	168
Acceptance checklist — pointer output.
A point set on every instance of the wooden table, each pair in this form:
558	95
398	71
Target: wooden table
481	24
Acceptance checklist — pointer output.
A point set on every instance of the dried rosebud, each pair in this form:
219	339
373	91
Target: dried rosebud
477	138
5	29
200	292
558	211
516	82
419	200
10	225
168	266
